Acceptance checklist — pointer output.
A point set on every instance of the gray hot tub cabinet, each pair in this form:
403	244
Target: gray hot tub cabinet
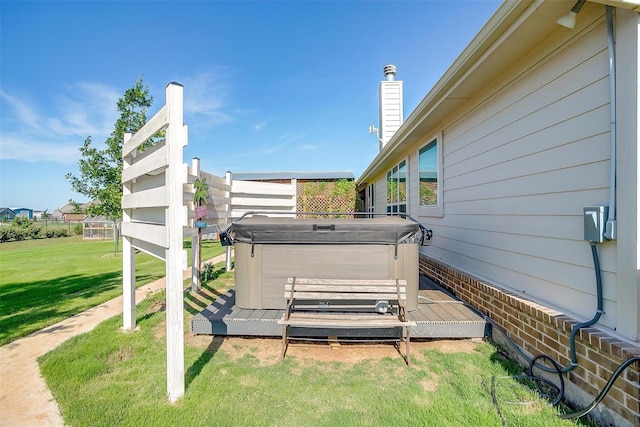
268	250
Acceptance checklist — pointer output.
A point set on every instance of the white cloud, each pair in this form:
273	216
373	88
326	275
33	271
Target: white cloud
291	137
308	147
205	95
258	127
80	110
36	150
23	113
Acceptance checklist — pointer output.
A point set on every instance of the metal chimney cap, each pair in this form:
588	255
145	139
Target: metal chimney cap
389	71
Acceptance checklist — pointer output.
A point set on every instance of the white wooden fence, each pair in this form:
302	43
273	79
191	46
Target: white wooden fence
154	215
265	197
158	212
229	200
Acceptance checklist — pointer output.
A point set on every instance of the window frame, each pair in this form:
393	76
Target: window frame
436	210
370	201
395	173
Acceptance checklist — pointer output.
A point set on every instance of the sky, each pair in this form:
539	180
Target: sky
269	86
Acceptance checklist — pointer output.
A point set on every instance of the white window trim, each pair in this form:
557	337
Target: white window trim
437	210
370	200
407	195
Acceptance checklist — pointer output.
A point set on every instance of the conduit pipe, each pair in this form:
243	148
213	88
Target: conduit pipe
574	330
611	232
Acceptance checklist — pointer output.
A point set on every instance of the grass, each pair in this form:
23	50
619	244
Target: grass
107	378
45	281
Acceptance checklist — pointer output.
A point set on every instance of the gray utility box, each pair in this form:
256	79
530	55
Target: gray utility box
595	218
268	250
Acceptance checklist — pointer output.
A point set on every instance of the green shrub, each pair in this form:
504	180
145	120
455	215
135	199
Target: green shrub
60	232
5	233
21	221
34	231
77	229
19	234
209	273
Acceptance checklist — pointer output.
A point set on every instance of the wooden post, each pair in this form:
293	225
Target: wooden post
229	180
196	241
128	265
176	216
294	184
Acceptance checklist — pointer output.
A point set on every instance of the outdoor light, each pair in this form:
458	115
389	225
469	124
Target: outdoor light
569	20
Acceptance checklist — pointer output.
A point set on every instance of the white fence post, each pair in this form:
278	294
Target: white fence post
228	179
128	263
176	219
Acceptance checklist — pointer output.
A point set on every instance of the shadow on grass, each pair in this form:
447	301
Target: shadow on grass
194	370
199	300
502	358
31	303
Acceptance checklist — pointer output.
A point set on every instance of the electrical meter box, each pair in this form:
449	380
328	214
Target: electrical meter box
595	219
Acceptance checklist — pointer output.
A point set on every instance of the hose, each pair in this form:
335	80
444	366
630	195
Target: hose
558	370
596	317
604	391
575	329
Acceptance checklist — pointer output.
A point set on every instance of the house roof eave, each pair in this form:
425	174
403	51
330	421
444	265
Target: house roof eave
513	27
504	16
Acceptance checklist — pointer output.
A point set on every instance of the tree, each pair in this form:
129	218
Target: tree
100	170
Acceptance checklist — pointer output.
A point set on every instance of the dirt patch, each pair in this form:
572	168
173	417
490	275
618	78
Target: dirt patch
267	350
448	346
430	384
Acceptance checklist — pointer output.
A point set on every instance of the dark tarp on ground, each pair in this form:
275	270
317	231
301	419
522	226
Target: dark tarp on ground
379	230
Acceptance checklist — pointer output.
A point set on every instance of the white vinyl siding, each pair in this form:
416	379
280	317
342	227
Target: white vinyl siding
390	109
518	167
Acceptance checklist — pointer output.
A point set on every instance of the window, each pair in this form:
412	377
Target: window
397	189
428	157
430	183
370	198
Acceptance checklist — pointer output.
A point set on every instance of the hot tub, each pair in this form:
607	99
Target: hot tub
268	250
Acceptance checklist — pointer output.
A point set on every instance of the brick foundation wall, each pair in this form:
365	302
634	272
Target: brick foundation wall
537	329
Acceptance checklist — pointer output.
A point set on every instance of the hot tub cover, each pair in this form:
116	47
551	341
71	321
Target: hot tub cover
379	230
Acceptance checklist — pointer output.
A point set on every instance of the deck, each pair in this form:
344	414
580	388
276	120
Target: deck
439	315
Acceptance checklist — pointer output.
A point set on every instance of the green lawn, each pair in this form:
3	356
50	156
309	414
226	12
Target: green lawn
110	378
45	281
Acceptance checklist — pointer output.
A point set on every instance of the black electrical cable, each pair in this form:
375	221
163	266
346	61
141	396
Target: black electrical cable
558	370
604	391
579	326
574	361
576	328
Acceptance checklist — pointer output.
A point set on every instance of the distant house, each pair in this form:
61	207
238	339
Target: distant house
7	214
315	191
501	158
68	213
24	212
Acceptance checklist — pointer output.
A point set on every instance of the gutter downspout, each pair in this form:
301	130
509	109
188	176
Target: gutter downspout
611	231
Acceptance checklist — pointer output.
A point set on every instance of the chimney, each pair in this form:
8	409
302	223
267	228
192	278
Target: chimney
390	105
